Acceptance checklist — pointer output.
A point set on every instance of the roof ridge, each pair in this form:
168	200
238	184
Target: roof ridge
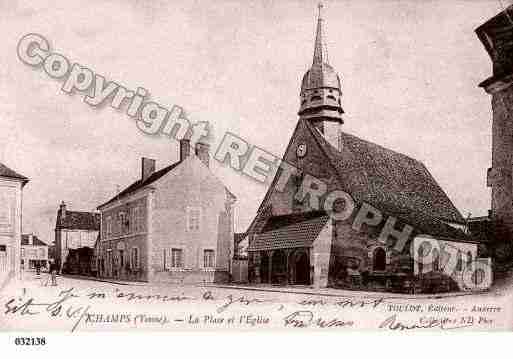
138	184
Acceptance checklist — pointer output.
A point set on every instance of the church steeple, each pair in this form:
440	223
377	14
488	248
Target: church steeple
319	49
320	90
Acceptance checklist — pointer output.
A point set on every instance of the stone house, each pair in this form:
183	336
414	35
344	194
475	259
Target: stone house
173	225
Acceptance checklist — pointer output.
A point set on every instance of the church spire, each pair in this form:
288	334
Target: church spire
320	89
319	50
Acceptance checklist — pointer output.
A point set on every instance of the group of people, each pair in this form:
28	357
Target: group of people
52	274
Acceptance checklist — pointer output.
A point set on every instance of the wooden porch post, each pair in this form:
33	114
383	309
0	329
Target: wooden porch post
287	269
270	274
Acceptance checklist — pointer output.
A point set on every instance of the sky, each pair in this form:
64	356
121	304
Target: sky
409	69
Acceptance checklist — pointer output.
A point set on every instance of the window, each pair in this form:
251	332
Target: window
135	258
123	222
3	248
121	258
108	225
135	219
138	219
193	219
176	258
469	259
208	258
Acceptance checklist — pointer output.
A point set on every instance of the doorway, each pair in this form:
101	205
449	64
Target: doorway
302	269
264	268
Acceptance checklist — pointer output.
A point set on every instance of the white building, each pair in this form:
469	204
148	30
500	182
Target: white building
34	253
11	197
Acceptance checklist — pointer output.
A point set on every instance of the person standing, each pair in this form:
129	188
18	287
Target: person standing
52	273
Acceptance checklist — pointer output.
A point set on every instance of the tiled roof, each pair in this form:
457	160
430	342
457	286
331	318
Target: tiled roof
394	183
137	185
388	180
7	172
140	184
79	221
35	241
290	231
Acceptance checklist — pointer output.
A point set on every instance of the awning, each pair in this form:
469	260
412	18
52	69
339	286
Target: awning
296	232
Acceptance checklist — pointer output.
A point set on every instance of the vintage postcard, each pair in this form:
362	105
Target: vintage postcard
255	165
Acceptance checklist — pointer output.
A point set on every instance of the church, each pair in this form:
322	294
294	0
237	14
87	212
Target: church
291	243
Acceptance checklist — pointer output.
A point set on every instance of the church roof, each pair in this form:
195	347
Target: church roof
390	181
394	183
9	173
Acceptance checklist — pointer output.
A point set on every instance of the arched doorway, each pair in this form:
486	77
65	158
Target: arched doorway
302	265
279	267
380	259
264	268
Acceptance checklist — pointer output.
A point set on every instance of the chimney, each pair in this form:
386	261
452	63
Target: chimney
147	168
62	209
202	151
185	149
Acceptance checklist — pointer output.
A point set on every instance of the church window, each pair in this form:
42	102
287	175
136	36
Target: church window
459	264
436	260
332	97
469	259
316	98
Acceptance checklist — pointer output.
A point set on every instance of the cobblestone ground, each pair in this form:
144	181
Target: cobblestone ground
86	305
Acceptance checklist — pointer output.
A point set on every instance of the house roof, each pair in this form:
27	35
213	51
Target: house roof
137	185
9	173
35	241
78	221
290	231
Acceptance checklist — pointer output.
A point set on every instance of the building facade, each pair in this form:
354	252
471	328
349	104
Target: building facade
497	37
11	198
292	242
34	253
174	225
74	230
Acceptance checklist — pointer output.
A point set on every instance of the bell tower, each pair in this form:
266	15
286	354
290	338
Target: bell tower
321	92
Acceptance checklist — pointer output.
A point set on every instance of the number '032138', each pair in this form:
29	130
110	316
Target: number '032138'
30	341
